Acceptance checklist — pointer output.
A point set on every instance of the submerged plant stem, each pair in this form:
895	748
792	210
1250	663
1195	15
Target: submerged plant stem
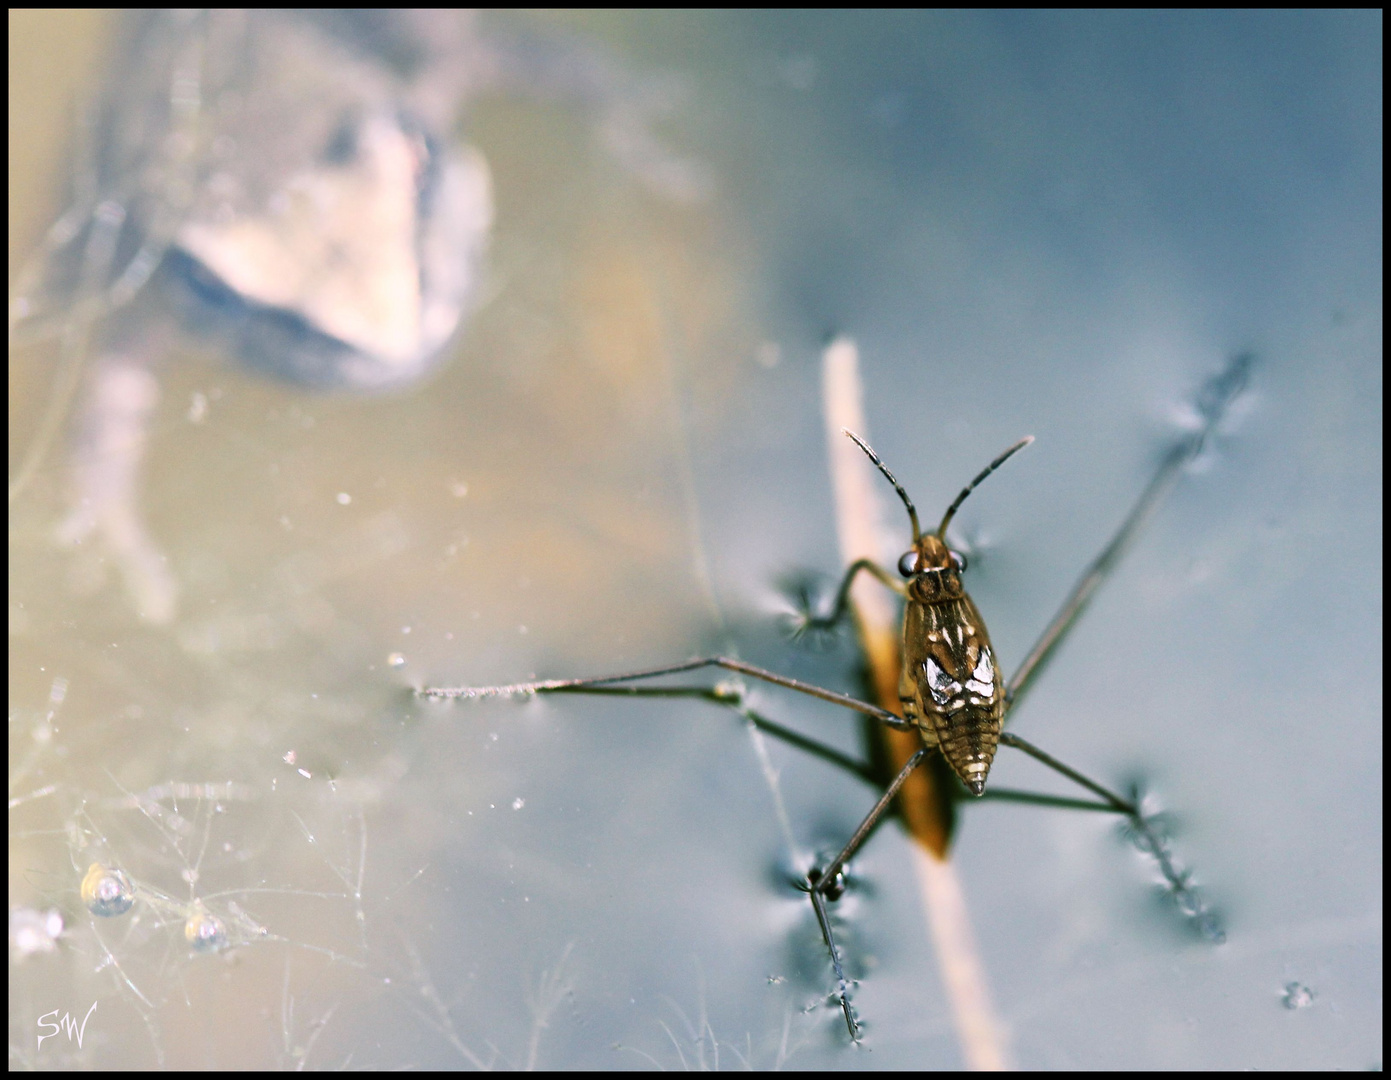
861	536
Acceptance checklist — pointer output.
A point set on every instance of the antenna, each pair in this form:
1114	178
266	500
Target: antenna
951	510
912	510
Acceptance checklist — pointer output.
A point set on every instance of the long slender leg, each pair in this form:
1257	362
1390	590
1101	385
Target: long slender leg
733	699
841	607
825	879
824	885
1114	801
549	686
818	904
821	885
1213	402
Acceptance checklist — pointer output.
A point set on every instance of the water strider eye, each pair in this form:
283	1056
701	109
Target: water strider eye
907	563
960	561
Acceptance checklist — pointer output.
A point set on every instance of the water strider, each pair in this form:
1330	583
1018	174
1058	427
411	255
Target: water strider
951	691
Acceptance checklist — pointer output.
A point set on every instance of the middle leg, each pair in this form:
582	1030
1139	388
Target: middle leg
552	686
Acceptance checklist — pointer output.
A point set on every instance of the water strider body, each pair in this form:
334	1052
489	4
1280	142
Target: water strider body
950	687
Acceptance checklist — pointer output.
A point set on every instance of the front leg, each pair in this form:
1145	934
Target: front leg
811	624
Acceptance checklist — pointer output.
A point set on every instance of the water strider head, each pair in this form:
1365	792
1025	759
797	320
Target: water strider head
933	569
951	687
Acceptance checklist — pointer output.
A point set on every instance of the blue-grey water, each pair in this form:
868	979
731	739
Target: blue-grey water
1047	224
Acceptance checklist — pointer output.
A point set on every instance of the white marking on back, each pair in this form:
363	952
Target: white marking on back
982	680
942	685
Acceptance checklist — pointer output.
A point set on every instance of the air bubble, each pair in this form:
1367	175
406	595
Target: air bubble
107	892
205	931
396	660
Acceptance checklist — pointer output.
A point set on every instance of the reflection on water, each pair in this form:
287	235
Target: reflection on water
287	188
1029	223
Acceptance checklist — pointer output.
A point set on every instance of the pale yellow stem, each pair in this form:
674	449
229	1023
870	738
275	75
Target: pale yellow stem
862	535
